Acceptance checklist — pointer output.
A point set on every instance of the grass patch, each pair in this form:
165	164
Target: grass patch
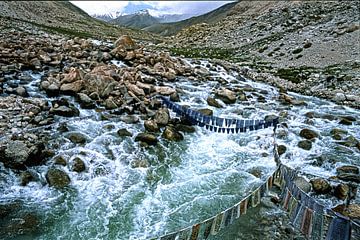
213	53
295	75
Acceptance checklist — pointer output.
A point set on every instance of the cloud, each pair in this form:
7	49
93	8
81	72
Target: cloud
160	7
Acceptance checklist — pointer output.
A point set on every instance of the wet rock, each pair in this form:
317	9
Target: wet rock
226	95
212	102
172	135
206	111
281	149
338	131
303	184
8	208
25	178
76	137
308	134
175	97
65	111
185	128
305	144
124	133
75	74
52	90
341	191
320	186
163	90
347	169
110	104
125	42
60	160
25	224
85	101
350	141
162	117
352	211
57	178
146	138
72	88
78	165
21	91
151	126
349	177
14	154
347	120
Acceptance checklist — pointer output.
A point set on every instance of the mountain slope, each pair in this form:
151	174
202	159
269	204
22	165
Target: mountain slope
168	29
137	20
65	18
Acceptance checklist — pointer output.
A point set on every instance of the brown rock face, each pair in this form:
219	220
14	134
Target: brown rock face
320	186
74	75
126	42
226	95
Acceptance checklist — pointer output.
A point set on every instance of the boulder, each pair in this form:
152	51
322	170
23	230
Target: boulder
65	111
206	111
305	144
281	149
341	191
163	90
151	126
347	169
21	91
212	102
57	178
308	134
85	101
72	88
124	133
125	42
172	135
76	137
14	154
75	74
226	95
25	178
52	90
162	117
60	160
78	165
135	89
320	186
147	138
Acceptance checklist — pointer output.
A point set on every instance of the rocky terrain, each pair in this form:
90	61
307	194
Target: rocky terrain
63	18
307	47
120	79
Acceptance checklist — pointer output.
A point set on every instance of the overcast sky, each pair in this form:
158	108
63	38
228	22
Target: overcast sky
162	7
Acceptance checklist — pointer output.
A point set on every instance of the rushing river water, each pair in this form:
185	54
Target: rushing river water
178	183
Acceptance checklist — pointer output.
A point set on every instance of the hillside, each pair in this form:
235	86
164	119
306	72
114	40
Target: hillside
64	18
138	20
168	29
312	47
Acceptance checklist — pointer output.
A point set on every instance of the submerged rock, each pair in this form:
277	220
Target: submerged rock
341	191
124	133
347	169
281	149
212	102
57	178
303	184
147	138
76	137
78	165
305	144
25	178
65	111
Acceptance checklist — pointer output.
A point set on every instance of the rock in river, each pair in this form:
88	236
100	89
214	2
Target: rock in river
57	178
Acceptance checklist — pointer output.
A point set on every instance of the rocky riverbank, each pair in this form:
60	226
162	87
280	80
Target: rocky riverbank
307	47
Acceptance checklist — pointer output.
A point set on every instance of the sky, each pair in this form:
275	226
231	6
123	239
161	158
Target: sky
159	7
